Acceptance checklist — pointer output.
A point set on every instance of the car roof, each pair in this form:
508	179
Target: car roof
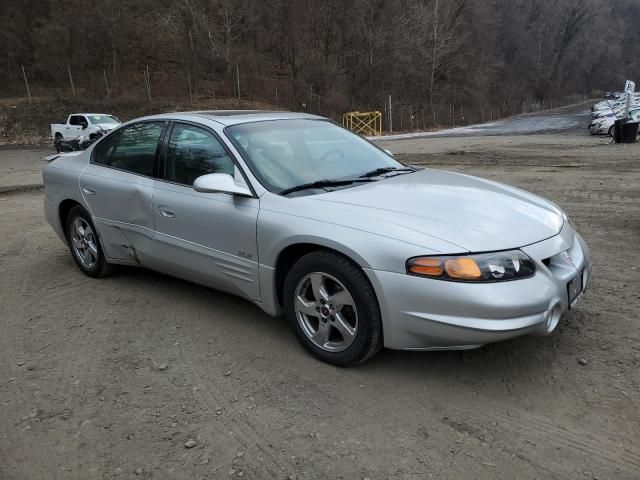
89	113
233	117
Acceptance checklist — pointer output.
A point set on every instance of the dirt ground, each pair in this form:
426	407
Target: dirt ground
110	378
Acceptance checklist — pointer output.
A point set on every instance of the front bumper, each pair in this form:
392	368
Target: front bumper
595	130
426	314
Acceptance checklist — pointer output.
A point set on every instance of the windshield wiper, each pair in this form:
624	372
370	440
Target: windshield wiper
383	170
323	184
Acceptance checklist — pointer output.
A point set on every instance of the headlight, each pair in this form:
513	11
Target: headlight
481	267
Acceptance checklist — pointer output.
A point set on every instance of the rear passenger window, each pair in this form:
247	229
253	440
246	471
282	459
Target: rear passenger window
193	152
135	150
103	150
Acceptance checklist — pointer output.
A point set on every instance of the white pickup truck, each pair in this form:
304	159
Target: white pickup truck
83	125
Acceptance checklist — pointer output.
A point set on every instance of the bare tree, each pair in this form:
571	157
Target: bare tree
488	58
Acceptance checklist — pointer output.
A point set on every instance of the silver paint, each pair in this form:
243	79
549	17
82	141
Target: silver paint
233	242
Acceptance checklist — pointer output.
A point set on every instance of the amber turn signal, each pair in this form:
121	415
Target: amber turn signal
476	267
431	267
463	269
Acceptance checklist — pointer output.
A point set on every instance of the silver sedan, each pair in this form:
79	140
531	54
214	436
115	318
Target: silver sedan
302	217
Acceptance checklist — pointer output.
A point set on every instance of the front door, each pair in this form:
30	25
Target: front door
118	186
206	237
74	128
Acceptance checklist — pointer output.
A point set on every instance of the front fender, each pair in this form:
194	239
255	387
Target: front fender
277	231
281	244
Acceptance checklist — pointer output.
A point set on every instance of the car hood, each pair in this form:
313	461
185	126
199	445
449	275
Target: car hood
107	126
469	213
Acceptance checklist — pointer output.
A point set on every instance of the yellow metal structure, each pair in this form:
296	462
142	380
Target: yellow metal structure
364	123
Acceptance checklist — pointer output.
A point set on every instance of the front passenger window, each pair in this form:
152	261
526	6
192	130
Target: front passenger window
193	152
77	120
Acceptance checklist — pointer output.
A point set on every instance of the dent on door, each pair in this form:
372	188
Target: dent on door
122	211
137	229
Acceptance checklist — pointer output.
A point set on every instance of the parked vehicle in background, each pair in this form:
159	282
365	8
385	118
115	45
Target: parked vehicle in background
83	124
606	125
605	113
614	103
618	111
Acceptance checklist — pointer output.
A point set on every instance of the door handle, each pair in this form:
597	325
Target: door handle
166	211
88	190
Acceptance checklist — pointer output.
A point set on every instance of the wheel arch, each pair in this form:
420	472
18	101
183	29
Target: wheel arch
291	253
63	210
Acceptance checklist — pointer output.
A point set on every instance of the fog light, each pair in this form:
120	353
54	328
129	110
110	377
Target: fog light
553	318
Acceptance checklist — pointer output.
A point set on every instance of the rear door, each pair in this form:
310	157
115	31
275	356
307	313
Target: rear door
206	237
118	187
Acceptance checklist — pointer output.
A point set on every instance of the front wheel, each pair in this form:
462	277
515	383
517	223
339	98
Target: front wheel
84	244
333	309
612	130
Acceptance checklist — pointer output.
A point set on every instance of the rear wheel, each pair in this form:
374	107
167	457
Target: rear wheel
56	141
612	130
333	309
84	244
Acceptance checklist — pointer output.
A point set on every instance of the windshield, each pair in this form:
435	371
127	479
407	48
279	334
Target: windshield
286	153
102	119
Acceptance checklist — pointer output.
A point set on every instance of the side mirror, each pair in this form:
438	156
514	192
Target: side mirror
84	126
220	183
388	152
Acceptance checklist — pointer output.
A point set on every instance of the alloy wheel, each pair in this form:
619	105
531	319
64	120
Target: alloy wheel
326	312
84	243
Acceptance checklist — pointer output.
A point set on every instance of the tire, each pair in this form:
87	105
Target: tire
56	142
612	130
333	309
92	262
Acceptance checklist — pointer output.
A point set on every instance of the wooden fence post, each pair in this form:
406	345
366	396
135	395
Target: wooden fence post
26	82
73	89
106	83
